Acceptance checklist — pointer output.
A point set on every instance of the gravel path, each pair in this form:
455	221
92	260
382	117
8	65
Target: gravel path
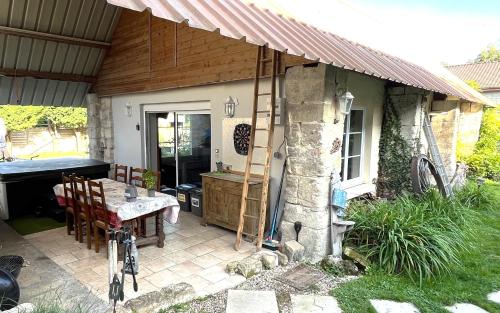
216	303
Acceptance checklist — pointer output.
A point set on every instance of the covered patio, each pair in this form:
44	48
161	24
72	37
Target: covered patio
193	254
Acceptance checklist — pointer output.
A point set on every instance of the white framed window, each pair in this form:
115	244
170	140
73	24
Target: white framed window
351	172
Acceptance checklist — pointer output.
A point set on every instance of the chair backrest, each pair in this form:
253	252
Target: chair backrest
158	179
69	191
98	201
80	191
135	177
121	173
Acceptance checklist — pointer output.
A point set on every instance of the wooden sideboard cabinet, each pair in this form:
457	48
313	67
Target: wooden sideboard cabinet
222	200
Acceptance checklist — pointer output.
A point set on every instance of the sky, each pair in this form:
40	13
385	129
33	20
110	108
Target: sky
427	32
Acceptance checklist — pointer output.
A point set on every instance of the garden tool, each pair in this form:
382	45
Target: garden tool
269	243
298	227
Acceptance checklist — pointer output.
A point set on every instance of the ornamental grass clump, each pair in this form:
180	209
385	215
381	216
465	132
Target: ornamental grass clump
421	237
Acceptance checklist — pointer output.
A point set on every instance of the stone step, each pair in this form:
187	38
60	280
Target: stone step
314	304
251	301
494	297
465	308
386	306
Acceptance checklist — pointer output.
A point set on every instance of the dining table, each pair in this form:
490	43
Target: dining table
161	207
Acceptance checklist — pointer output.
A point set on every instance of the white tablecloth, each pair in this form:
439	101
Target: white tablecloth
116	202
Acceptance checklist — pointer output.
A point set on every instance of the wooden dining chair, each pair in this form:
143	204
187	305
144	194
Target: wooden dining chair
135	177
82	203
100	215
71	211
121	173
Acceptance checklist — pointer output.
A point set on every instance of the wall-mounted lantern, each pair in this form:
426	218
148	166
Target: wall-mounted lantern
345	102
128	109
230	106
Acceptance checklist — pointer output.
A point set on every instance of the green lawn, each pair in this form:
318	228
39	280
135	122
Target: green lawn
479	275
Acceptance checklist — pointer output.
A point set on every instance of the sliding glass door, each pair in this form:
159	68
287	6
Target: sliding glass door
183	146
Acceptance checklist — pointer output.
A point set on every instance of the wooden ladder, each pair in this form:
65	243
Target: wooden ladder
271	113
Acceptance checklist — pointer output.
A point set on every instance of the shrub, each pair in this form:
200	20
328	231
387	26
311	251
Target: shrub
485	161
421	237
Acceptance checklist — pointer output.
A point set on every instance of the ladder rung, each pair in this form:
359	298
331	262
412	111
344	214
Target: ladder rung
261	164
264	111
266	60
252	199
249	235
263	147
264	94
251	216
262	129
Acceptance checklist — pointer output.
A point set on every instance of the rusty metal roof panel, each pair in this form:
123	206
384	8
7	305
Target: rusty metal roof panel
237	19
486	74
83	19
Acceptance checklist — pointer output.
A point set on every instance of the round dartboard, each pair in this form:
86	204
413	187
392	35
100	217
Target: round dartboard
241	138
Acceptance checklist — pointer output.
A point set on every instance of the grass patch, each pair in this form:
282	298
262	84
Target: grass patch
30	224
476	275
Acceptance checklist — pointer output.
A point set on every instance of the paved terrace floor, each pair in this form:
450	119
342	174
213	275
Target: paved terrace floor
193	254
41	278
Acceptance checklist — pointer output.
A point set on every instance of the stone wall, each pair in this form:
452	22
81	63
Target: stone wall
100	128
445	128
410	103
469	125
310	131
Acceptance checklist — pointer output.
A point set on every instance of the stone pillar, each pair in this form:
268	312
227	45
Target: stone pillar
410	103
445	128
100	128
310	131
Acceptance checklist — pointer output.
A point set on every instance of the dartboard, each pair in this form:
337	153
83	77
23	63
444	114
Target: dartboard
241	138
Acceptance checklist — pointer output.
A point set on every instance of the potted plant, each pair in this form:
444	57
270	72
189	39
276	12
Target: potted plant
150	182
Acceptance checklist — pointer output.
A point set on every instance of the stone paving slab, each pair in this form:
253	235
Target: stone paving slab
386	306
465	308
251	301
494	297
314	304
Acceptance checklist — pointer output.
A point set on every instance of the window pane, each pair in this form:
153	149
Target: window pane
343	145
356	119
353	167
354	144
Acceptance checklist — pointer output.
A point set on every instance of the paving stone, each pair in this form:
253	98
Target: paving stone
494	297
314	304
294	250
250	266
282	258
22	308
269	261
386	306
465	308
251	301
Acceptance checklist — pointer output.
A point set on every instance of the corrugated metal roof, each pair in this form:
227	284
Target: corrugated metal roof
83	19
486	74
236	19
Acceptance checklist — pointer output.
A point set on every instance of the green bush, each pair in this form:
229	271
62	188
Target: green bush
22	117
485	161
420	237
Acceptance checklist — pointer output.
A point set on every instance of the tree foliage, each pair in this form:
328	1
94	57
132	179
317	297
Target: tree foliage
489	54
474	84
22	117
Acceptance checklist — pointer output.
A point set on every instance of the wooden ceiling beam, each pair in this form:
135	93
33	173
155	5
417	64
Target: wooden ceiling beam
53	37
47	75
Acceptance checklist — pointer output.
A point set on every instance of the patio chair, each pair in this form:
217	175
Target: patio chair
101	218
135	177
121	173
69	205
82	205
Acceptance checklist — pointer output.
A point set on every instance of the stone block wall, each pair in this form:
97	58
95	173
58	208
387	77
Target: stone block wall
469	125
410	104
445	128
100	128
311	130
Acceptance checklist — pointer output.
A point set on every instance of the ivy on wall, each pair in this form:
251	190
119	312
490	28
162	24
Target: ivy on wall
394	155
